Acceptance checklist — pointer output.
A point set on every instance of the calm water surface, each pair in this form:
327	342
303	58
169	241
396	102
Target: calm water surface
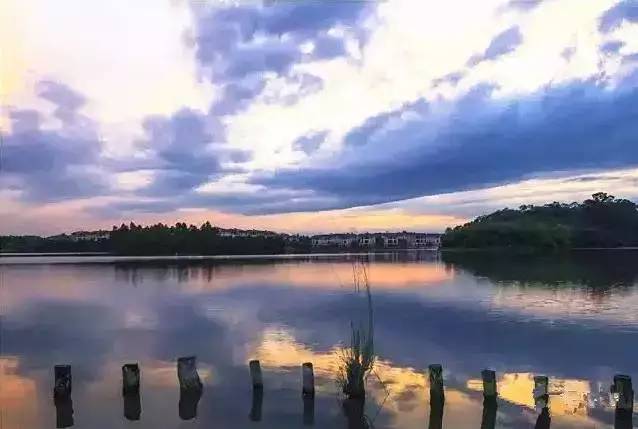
572	318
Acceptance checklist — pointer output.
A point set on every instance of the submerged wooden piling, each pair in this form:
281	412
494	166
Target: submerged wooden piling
541	391
130	378
435	372
489	384
308	379
623	390
255	374
62	383
187	374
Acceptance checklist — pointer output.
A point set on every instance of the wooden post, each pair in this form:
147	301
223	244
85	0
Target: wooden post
187	374
255	374
541	391
308	383
623	392
62	384
130	378
436	382
489	384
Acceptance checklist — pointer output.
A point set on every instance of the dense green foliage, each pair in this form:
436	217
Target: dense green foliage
160	239
602	221
182	239
59	244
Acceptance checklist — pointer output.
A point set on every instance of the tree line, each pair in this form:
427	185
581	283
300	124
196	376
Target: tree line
601	221
161	239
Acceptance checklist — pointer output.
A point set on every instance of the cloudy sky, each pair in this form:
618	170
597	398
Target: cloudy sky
309	115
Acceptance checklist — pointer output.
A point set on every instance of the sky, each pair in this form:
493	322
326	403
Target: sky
311	116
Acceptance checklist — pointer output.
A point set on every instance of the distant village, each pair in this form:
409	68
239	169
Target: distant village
385	240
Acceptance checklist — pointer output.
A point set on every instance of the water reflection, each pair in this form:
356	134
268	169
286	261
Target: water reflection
308	410
132	406
465	315
488	420
255	409
63	411
188	400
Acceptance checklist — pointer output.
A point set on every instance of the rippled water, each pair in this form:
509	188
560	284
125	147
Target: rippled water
572	318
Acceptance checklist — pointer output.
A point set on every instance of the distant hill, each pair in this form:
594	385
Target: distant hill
602	221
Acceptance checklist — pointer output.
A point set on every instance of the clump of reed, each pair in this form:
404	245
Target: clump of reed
357	358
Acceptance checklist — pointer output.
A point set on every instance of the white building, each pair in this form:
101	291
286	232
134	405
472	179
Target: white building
367	241
333	240
90	235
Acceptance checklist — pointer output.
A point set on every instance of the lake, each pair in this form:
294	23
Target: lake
573	318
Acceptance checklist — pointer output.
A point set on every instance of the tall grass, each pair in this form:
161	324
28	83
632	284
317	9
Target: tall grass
357	358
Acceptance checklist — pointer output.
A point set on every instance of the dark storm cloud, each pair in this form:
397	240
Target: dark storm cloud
188	149
502	44
309	143
67	102
48	165
482	142
451	78
244	43
626	10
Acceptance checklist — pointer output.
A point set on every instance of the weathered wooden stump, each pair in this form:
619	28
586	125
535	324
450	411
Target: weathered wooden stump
308	410
255	409
255	374
62	383
541	391
435	372
308	380
130	378
63	411
187	374
623	392
489	384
